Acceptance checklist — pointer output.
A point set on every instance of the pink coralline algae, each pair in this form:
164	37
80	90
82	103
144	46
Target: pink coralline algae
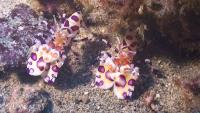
118	71
18	32
47	59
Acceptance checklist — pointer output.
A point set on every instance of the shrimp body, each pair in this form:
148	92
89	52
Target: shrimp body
118	72
47	59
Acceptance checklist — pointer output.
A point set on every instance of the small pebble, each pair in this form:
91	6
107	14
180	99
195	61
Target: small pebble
105	41
86	93
157	95
141	10
98	107
159	61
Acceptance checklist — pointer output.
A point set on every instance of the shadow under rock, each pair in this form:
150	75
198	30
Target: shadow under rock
4	76
21	74
145	80
67	79
24	77
160	45
49	107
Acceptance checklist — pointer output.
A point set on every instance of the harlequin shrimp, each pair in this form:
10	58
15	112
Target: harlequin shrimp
47	59
118	71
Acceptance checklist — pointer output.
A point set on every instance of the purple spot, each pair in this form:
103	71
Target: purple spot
55	68
74	28
121	82
30	63
41	68
108	77
34	56
131	82
125	95
101	69
75	18
66	23
97	83
50	82
31	70
100	83
98	76
40	64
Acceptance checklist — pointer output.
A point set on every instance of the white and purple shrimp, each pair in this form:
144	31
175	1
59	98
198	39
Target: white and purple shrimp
47	59
118	72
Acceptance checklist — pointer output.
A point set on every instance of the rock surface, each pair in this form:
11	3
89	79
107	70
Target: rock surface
178	22
18	32
28	100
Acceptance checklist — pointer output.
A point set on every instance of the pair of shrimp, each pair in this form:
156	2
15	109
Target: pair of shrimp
47	59
118	71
